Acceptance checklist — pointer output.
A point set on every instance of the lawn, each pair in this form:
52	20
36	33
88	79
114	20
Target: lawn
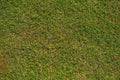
59	39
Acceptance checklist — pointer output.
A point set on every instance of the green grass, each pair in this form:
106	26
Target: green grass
59	40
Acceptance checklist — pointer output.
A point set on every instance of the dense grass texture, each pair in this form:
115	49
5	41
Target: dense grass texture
59	39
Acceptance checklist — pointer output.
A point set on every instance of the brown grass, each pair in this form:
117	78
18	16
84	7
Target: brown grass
3	64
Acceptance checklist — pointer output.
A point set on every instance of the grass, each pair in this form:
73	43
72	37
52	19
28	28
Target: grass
59	40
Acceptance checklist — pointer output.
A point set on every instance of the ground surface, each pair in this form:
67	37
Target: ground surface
59	39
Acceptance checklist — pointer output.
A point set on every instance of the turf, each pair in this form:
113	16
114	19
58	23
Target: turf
59	39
